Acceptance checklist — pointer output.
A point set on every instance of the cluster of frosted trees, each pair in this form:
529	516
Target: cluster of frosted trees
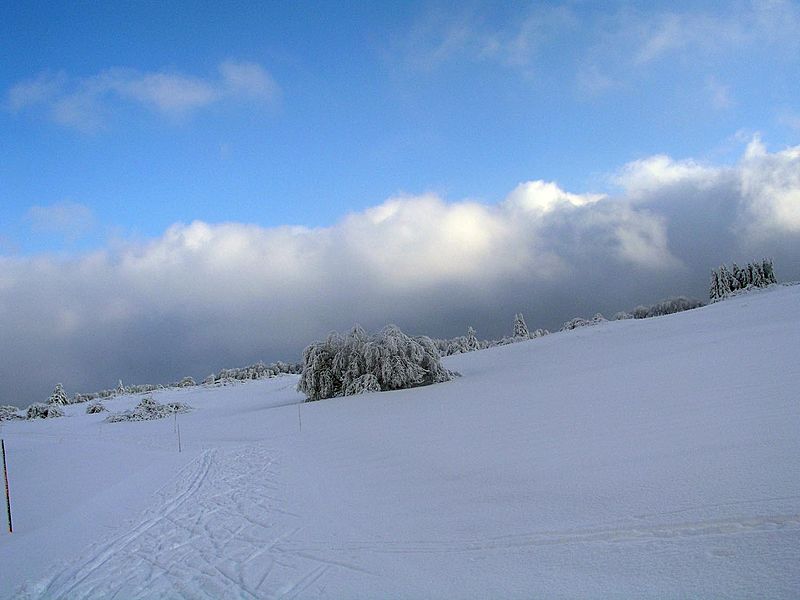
581	322
659	309
59	398
256	371
50	409
470	342
725	281
356	363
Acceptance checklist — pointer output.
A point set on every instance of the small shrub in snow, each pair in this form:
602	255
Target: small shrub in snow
580	322
94	408
186	382
40	410
357	363
148	410
10	413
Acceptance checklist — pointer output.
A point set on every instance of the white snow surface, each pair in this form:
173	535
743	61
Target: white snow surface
655	458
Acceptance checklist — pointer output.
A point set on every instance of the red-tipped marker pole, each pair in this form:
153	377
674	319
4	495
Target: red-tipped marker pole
8	495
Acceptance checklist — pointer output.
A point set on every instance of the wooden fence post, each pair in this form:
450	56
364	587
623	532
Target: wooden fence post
8	494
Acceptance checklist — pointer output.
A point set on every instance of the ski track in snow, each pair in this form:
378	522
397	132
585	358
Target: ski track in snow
220	530
215	533
724	527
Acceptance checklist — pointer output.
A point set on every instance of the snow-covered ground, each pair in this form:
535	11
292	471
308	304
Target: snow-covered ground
654	458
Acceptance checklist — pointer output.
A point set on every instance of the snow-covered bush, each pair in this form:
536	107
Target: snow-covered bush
726	281
186	382
59	396
148	410
580	322
356	363
94	408
40	410
10	413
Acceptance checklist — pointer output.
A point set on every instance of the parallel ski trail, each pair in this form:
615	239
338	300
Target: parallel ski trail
215	533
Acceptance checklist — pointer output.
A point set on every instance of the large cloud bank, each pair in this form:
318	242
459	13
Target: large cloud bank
205	296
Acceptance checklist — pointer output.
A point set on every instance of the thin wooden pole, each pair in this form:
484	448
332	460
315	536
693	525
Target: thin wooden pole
178	425
8	494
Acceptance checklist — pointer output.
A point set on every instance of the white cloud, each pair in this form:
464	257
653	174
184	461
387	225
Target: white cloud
545	196
84	102
41	88
250	80
770	186
203	296
438	38
640	177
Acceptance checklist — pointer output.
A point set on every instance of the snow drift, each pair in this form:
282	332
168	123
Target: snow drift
637	458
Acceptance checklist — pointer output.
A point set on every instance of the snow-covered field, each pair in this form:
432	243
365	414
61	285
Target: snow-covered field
653	458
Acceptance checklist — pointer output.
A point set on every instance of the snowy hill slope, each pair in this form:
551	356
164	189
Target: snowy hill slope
651	458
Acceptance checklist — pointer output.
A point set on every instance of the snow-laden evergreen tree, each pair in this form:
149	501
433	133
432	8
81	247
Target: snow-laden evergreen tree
357	363
59	396
520	328
94	408
725	282
714	289
769	272
472	340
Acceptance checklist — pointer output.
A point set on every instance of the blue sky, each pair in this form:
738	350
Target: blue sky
431	164
372	99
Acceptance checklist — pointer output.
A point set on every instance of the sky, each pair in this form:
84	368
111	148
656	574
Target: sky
191	186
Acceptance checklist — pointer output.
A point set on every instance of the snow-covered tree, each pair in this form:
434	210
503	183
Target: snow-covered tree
666	307
59	396
769	272
94	408
725	282
520	328
357	363
472	340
